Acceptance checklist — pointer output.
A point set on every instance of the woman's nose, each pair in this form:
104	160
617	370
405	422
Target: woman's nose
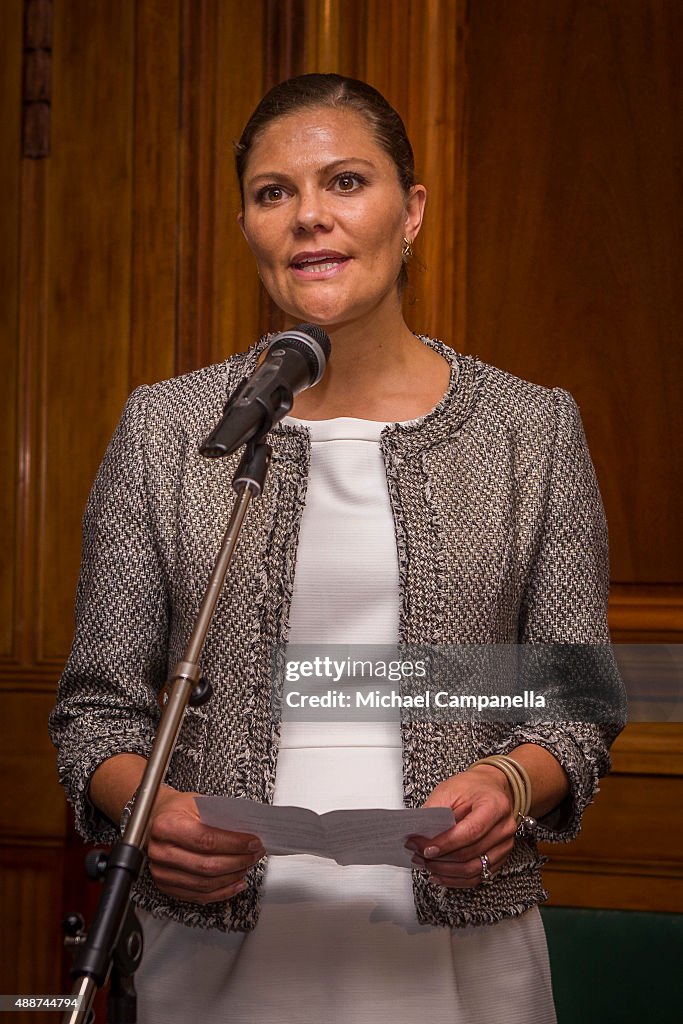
312	211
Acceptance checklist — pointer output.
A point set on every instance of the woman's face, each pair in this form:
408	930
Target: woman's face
325	216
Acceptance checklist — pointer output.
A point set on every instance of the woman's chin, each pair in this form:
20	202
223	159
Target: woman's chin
323	316
331	314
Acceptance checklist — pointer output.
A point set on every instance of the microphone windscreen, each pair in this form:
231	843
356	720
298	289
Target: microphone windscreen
319	334
311	342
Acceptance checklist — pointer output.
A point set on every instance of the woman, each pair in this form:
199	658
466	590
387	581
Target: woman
461	507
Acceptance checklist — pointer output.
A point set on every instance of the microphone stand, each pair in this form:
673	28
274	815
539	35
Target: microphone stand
115	937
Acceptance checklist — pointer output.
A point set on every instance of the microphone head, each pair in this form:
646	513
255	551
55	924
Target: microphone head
312	342
318	334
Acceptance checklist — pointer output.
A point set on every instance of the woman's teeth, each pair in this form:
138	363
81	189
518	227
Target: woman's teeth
316	268
320	265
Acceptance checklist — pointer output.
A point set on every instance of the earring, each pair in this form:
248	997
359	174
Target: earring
407	250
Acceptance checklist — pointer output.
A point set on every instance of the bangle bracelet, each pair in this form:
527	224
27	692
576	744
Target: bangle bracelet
513	777
523	777
520	784
527	783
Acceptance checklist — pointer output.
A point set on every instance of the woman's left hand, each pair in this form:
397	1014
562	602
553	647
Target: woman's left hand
482	804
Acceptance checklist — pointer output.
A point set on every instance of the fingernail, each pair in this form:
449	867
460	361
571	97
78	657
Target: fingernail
255	845
412	845
435	880
431	851
240	887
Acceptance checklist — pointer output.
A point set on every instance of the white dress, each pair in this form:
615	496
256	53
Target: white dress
342	944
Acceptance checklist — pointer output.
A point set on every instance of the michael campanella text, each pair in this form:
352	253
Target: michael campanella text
426	699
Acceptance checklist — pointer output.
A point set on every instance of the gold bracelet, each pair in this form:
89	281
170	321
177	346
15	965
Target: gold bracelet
527	783
513	777
520	784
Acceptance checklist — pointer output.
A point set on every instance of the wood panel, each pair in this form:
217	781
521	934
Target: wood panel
10	184
32	805
574	257
87	303
629	850
648	614
31	937
154	291
218	311
238	86
650	748
416	57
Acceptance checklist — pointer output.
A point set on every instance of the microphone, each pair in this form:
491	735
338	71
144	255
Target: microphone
295	360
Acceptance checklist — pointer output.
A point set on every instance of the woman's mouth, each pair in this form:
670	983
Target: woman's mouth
318	264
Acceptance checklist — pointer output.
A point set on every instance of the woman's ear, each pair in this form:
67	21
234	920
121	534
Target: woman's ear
415	208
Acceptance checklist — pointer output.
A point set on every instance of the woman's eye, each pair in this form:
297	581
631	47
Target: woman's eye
349	182
270	194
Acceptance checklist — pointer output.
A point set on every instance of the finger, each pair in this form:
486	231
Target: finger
502	833
189	896
183	830
470	830
189	882
444	868
467	875
165	856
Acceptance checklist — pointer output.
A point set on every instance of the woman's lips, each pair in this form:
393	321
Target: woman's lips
318	266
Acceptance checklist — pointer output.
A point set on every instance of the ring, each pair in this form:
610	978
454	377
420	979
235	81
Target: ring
486	872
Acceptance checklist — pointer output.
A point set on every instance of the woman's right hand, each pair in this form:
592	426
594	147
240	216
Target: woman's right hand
195	862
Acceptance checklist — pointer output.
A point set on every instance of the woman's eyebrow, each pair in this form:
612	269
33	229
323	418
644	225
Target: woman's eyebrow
324	169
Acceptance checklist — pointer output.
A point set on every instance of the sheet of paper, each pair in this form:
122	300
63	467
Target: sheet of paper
367	836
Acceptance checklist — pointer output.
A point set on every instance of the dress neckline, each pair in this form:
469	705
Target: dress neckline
339	428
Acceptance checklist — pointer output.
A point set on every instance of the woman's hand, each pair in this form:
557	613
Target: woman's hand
482	804
192	861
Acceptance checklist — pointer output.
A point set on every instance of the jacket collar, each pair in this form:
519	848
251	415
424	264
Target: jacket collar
402	439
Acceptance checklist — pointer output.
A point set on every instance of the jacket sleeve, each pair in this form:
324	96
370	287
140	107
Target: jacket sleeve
564	609
107	698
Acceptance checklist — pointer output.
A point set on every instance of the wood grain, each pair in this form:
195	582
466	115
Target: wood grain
629	851
30	348
30	902
32	808
154	285
37	79
575	248
218	287
650	748
236	308
85	361
10	182
646	613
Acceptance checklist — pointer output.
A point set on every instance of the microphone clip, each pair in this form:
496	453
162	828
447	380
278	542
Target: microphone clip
273	403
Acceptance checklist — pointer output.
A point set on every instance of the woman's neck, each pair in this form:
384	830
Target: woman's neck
379	371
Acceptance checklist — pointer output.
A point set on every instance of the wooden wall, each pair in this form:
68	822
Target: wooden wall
548	136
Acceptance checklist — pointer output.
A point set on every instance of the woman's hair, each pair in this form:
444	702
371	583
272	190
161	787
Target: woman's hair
329	90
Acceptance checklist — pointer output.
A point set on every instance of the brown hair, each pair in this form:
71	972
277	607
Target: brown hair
329	90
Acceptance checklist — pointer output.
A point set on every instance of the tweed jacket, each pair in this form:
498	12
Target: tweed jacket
501	538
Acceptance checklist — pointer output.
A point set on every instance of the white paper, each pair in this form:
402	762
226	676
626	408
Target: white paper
371	836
